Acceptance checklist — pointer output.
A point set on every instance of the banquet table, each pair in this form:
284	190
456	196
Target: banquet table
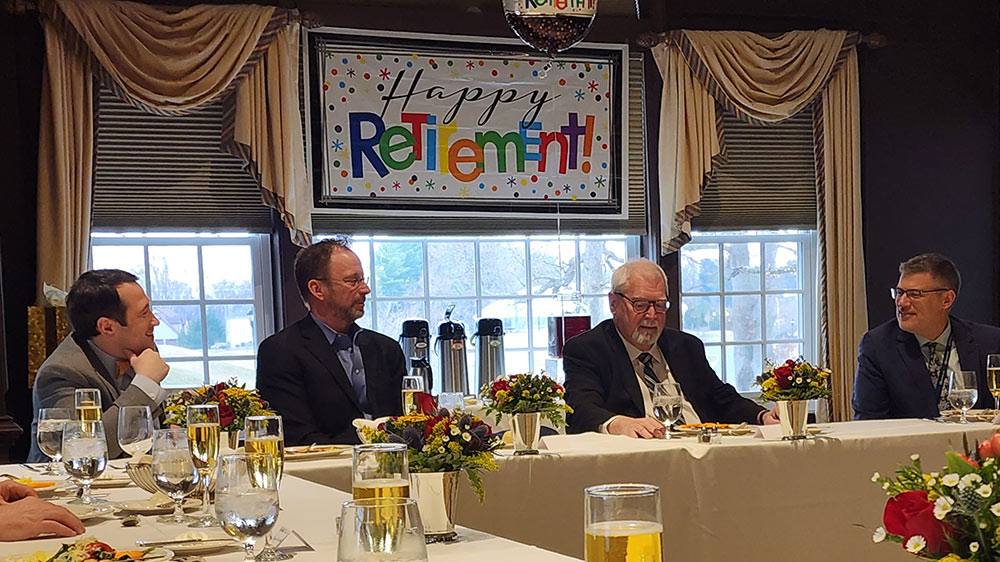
744	499
308	508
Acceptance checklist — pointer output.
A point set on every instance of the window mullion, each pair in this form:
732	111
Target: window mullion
204	314
531	314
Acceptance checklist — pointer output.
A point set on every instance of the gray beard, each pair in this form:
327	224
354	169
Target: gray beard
642	339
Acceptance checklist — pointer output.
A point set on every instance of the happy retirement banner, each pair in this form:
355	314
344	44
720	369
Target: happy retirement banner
469	129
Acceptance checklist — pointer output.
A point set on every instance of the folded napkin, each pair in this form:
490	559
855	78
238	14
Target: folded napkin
371	424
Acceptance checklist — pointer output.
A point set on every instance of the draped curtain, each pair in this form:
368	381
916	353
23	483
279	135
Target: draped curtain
169	62
766	80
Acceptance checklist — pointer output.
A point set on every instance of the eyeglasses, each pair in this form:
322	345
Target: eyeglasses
352	282
642	305
897	292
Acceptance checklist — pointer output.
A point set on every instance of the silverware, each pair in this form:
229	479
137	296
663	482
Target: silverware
31	468
182	541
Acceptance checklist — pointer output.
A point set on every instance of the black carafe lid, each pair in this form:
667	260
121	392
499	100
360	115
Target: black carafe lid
490	327
451	331
416	329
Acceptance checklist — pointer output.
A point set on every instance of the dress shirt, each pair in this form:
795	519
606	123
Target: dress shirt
663	374
152	388
350	358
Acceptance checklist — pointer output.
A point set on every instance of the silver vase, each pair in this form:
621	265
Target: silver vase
527	431
436	493
794	415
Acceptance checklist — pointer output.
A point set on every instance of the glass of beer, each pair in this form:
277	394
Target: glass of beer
264	434
88	404
203	440
50	434
622	523
993	377
380	529
411	387
380	470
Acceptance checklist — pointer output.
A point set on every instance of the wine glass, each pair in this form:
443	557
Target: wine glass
174	472
135	429
411	387
264	434
380	470
452	401
668	404
246	497
620	517
203	439
50	435
380	529
85	454
993	377
962	391
87	402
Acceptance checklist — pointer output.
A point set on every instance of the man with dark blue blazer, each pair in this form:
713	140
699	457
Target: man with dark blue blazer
611	368
325	371
903	364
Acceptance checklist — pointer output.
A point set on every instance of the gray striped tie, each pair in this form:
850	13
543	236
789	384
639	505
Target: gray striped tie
649	375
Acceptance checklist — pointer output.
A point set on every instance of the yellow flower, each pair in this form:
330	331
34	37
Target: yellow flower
525	394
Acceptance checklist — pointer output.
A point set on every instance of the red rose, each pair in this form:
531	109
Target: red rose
426	404
221	386
784	375
910	513
790	362
226	415
501	385
990	447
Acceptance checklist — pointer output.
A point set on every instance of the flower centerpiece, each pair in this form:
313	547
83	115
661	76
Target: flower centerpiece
236	404
791	385
526	398
952	514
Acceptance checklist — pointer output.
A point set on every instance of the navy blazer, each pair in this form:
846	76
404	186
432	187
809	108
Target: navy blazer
301	377
893	381
601	381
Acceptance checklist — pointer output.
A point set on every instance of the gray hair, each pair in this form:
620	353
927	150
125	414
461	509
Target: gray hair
636	268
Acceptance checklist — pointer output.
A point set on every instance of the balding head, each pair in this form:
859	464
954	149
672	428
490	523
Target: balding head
636	269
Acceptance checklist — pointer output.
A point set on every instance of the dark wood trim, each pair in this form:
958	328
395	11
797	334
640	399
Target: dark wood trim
9	431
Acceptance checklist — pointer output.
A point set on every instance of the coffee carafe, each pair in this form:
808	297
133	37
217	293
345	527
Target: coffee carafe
415	341
450	348
489	348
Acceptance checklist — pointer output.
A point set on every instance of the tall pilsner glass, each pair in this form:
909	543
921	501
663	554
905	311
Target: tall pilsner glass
380	470
963	391
87	402
247	497
203	439
50	434
173	470
993	377
264	434
622	523
85	454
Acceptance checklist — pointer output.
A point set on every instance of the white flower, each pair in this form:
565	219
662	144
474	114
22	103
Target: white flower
445	438
875	477
934	475
942	506
467	436
878	535
982	525
973	547
798	380
932	482
985	490
440	449
950	480
969	480
915	544
914	457
885	485
995	509
454	430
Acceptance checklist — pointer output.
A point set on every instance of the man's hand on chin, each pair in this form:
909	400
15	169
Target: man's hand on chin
647	428
150	364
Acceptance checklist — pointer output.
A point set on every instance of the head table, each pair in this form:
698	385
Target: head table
308	508
743	499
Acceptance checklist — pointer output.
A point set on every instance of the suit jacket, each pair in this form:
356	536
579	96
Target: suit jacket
301	377
601	381
892	380
73	365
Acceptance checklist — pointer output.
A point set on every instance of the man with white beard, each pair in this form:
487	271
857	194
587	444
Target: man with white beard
611	369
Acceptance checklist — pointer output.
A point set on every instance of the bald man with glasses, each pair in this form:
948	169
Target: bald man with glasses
612	368
903	364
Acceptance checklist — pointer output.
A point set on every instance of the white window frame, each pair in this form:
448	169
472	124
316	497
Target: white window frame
263	291
808	255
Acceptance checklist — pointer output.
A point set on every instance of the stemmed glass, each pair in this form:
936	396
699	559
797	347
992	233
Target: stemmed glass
411	387
135	429
85	454
620	517
668	404
381	529
264	434
993	377
203	438
962	391
380	470
87	402
173	470
50	435
246	497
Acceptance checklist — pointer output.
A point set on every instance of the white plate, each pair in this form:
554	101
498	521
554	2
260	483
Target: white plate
85	512
143	507
155	555
317	452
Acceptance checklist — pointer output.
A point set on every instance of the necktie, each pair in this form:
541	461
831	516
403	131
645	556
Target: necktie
648	374
343	345
934	362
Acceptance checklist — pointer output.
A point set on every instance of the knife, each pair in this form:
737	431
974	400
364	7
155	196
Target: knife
181	541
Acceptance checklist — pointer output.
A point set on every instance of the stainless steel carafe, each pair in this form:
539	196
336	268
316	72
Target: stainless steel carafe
489	348
415	341
450	347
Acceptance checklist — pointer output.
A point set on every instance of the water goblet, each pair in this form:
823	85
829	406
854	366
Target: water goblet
668	404
135	429
84	455
50	435
246	501
962	391
174	472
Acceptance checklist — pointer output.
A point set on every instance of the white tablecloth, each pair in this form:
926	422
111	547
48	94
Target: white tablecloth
744	499
308	508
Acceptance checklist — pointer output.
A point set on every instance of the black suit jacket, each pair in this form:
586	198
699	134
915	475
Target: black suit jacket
601	382
892	380
300	376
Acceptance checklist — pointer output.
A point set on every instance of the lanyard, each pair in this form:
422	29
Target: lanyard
943	369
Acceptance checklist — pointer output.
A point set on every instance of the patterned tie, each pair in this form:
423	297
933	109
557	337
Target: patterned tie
649	375
934	362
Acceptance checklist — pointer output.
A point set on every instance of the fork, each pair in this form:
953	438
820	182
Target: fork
31	468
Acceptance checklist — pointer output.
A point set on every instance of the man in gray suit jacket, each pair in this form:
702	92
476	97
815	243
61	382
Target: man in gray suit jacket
111	349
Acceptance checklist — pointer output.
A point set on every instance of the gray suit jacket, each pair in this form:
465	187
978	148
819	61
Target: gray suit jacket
74	365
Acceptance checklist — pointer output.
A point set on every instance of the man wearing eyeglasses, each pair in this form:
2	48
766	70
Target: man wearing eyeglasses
325	371
612	368
903	365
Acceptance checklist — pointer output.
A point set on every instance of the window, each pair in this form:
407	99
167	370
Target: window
750	296
210	292
522	280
